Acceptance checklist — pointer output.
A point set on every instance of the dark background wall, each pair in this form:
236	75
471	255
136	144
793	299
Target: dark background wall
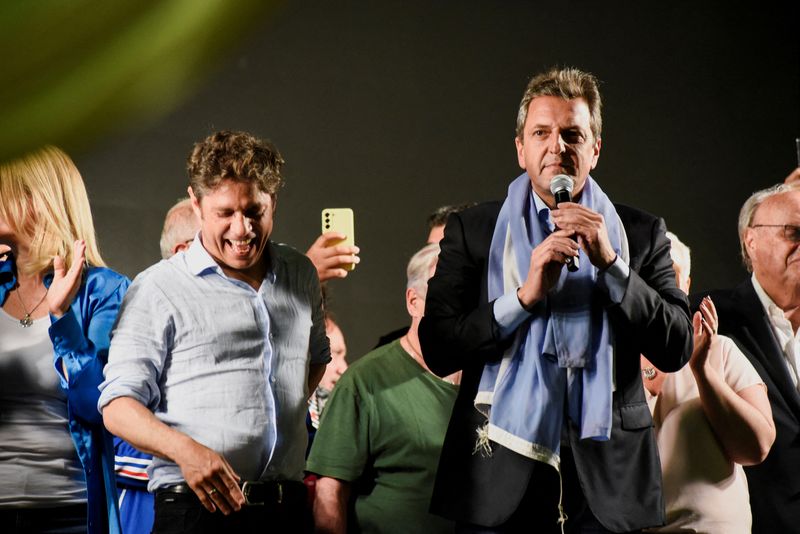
394	108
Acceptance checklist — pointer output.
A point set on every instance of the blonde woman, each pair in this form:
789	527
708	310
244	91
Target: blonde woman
59	303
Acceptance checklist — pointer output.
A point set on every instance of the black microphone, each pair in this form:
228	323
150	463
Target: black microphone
561	186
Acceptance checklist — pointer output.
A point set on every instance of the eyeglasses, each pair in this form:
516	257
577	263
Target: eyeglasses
790	231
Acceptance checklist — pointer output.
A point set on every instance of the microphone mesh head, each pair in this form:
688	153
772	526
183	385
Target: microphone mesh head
561	182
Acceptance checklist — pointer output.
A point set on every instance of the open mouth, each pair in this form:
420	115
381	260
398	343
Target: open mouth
240	247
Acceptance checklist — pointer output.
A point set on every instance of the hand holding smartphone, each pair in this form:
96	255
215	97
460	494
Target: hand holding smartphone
339	220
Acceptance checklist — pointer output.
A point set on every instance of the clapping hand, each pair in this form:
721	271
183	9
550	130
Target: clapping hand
66	282
705	323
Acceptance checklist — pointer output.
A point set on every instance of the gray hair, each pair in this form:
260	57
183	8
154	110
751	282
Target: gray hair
680	253
748	212
180	225
419	268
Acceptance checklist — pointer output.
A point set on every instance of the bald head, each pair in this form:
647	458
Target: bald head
180	227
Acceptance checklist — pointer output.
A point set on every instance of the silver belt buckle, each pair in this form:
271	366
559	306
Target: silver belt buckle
246	488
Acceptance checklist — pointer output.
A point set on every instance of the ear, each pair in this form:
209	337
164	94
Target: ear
749	242
520	152
414	304
179	247
195	203
596	152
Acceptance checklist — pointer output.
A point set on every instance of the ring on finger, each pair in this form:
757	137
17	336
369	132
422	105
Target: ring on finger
212	491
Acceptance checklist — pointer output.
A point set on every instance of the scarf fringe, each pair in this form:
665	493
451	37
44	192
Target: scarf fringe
483	445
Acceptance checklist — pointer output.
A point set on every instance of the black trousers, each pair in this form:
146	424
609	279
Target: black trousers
538	510
61	520
183	513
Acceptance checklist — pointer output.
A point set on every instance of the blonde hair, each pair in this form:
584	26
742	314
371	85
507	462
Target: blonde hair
43	200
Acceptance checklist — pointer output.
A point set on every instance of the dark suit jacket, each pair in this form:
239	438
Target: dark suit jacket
775	483
621	478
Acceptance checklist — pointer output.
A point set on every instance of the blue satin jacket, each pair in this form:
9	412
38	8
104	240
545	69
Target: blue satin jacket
80	342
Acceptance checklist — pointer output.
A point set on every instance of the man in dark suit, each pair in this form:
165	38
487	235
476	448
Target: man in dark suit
763	315
551	416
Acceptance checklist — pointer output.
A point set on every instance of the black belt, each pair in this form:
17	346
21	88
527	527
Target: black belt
259	493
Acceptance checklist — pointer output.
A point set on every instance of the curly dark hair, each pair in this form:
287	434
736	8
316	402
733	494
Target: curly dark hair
229	155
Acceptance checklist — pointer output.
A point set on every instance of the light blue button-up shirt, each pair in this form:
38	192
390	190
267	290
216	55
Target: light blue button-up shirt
221	362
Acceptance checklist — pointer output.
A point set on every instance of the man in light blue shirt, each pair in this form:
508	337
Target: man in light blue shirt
216	351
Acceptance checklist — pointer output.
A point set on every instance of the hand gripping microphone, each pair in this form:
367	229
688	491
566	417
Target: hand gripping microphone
561	186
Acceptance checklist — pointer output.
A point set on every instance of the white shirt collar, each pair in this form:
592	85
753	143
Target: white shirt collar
199	261
775	314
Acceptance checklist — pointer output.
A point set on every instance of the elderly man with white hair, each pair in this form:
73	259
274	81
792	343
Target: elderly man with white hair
762	315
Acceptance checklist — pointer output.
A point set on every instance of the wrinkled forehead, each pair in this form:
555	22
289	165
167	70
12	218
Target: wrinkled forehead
783	208
235	193
565	113
212	186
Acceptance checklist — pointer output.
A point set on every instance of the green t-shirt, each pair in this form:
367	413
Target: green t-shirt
382	431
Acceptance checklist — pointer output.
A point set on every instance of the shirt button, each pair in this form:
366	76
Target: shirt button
273	379
271	335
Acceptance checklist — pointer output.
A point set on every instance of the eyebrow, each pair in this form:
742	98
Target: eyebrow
572	127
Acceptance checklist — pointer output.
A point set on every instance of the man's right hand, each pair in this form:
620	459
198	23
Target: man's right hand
210	476
547	260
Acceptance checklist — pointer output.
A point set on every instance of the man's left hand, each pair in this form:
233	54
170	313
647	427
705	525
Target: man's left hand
705	323
590	229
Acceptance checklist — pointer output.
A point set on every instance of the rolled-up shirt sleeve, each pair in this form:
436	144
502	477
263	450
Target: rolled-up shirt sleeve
319	345
139	347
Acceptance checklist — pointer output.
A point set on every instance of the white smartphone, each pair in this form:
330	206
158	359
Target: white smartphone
340	220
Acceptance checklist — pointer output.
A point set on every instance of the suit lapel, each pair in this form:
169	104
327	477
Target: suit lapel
756	334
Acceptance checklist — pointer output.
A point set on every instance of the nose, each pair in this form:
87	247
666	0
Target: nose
241	225
557	144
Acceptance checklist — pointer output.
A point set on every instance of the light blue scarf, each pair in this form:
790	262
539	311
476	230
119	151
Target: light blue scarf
563	353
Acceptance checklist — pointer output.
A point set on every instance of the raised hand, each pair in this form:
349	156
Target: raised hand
547	260
590	229
329	259
705	324
66	281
